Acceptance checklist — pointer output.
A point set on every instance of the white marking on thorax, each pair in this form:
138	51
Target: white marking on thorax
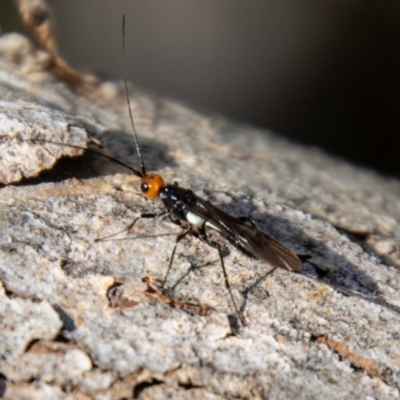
194	219
197	221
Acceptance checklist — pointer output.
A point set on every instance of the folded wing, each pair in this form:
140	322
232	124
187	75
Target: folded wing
247	237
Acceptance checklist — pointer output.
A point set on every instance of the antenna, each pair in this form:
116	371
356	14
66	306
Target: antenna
75	146
143	169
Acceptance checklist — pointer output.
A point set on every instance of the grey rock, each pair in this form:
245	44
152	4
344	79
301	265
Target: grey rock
79	319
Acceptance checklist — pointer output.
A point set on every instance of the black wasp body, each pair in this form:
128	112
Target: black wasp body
198	214
195	215
178	201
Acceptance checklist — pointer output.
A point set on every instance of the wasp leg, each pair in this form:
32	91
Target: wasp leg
179	237
217	246
131	225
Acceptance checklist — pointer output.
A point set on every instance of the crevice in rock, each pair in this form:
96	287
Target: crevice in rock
138	389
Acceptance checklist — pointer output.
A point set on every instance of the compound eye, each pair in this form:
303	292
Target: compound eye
151	185
144	187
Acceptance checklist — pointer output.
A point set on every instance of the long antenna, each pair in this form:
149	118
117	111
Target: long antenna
127	98
75	146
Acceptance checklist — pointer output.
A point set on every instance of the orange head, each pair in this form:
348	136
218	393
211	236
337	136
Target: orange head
151	185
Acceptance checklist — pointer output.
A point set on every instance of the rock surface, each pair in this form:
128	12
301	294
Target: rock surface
26	134
84	319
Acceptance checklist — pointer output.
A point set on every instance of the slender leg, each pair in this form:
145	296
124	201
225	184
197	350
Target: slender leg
227	284
179	237
131	225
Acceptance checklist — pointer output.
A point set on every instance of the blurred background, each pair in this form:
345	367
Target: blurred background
323	73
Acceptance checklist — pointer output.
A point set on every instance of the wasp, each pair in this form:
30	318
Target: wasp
197	216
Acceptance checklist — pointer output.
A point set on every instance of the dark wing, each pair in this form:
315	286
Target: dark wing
246	237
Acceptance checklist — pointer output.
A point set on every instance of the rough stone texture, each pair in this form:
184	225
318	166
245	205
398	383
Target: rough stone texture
24	130
78	319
